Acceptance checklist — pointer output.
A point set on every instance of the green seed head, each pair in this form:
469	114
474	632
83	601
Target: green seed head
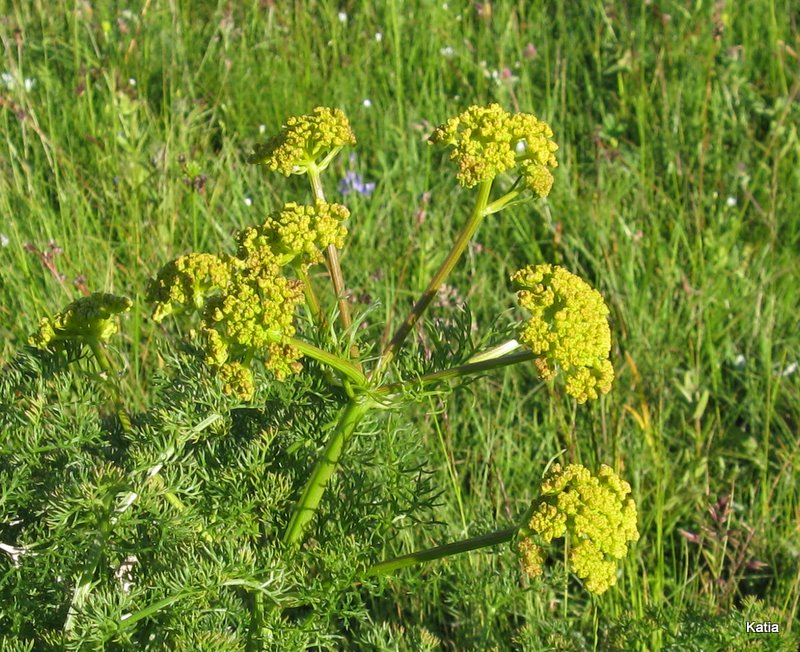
254	313
297	233
88	319
186	283
237	379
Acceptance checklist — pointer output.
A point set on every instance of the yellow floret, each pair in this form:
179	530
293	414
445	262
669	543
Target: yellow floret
186	282
532	557
237	380
247	306
568	329
85	320
305	140
296	232
594	512
255	312
488	141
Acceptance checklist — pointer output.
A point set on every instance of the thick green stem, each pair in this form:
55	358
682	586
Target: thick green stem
459	246
500	204
326	465
390	566
331	254
457	372
347	369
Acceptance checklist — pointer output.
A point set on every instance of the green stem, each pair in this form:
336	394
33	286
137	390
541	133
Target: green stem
509	346
331	254
457	372
447	266
256	623
500	204
311	298
347	369
83	587
390	566
111	383
326	465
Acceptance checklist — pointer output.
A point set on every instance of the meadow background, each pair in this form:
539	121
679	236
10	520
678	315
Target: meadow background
125	128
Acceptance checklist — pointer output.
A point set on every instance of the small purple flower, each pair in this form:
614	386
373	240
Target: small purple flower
354	182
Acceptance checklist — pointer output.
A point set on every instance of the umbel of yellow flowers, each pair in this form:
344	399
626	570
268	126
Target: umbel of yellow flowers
246	302
594	514
488	141
305	141
568	329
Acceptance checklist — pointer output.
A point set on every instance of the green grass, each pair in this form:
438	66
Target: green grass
676	196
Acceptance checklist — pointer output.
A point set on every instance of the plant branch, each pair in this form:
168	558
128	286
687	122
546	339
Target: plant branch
390	566
309	500
457	372
459	246
346	368
331	254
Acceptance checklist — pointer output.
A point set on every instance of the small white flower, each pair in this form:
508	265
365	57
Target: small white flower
342	17
739	362
7	79
132	81
447	52
4	240
367	103
29	83
445	6
262	128
730	201
248	201
378	37
790	369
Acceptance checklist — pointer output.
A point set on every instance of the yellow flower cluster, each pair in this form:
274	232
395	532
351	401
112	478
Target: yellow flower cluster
488	141
306	140
255	311
186	282
297	232
246	303
88	319
593	512
568	329
237	379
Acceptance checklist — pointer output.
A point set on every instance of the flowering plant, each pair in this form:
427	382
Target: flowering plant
257	322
